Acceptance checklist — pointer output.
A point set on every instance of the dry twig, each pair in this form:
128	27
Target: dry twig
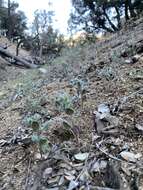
28	172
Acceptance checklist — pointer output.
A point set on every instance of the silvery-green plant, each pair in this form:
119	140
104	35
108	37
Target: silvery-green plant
37	132
64	103
34	105
81	87
108	73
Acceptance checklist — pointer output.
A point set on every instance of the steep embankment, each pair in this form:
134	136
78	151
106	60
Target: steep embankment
107	72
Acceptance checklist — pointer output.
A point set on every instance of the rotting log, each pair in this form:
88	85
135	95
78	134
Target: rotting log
17	60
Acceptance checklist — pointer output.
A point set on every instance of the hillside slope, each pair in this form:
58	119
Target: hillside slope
94	150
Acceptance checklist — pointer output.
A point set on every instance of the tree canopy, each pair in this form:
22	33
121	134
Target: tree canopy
103	15
12	21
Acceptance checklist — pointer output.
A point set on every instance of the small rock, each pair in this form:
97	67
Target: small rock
129	61
69	177
139	127
72	185
125	147
129	156
47	172
61	181
42	70
81	156
103	108
37	156
99	165
138	155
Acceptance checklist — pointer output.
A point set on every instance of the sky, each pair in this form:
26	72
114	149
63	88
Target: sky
61	7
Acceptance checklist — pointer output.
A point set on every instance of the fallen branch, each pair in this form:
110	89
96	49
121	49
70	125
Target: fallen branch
16	59
28	172
109	155
117	159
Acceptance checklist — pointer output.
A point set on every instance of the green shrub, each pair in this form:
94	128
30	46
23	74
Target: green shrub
64	103
81	87
38	129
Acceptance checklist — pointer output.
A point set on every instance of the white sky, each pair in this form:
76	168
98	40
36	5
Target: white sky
61	8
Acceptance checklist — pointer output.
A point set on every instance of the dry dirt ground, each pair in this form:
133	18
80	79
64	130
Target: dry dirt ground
88	155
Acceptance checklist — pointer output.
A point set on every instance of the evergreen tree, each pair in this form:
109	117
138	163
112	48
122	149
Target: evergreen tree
103	15
11	20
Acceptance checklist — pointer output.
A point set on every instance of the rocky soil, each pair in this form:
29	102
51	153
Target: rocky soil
91	101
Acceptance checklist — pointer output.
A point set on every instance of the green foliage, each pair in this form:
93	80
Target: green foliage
23	89
71	61
29	83
19	24
66	124
81	87
129	49
3	16
38	129
46	40
136	74
33	121
13	21
33	105
102	15
64	103
107	73
94	16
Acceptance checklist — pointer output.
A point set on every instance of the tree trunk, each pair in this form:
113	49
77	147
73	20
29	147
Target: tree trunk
107	29
110	22
131	8
126	11
9	19
17	47
41	50
118	17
